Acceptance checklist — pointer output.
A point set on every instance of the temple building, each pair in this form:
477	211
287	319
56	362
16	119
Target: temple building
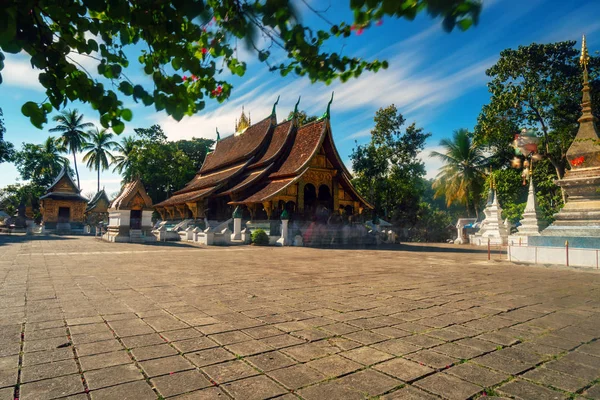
266	168
97	210
62	206
130	215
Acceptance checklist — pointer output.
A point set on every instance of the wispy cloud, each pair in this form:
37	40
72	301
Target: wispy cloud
18	73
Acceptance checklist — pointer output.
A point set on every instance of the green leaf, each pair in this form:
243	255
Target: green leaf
118	126
30	108
126	114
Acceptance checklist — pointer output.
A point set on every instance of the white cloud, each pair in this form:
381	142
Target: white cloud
18	72
432	164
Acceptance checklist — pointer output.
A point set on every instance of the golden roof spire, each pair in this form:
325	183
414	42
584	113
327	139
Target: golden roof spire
584	60
242	123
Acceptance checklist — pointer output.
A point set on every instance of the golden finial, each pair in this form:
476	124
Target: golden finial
585	57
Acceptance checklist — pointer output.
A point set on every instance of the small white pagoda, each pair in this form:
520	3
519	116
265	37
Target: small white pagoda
530	223
492	227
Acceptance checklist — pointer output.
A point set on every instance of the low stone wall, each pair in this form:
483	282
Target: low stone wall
572	257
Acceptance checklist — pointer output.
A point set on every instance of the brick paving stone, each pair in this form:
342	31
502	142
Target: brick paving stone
457	351
526	390
50	370
52	388
341	328
41	357
556	341
248	348
502	364
343	344
104	360
409	393
180	382
593	392
92	337
203	358
226	338
403	369
584	359
549	377
448	386
591	349
271	361
397	347
432	359
151	339
87	329
150	352
296	376
391	332
211	393
230	371
106	346
333	390
138	390
254	388
478	344
46	333
194	344
165	323
518	353
44	344
366	355
576	369
111	376
261	332
8	377
422	341
181	334
163	366
310	334
371	382
310	351
9	362
334	366
7	394
478	375
366	337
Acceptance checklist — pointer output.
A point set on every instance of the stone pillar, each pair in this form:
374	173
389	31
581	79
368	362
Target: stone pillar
237	224
284	239
301	197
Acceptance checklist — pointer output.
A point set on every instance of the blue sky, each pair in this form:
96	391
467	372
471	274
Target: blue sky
436	79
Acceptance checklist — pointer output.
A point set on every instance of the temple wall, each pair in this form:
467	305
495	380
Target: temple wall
50	210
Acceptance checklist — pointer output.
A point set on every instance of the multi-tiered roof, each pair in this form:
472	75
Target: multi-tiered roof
258	163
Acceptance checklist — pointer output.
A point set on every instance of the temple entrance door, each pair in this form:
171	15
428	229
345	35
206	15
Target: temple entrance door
64	215
325	198
310	199
135	219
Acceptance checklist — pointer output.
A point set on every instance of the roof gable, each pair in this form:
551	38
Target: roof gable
236	148
99	202
63	183
133	195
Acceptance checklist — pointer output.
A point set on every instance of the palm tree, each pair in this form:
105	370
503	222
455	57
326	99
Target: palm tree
122	161
73	135
98	155
50	161
461	178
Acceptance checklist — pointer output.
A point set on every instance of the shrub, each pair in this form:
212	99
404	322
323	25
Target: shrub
260	238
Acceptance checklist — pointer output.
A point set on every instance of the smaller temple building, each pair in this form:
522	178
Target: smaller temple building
96	211
62	206
130	215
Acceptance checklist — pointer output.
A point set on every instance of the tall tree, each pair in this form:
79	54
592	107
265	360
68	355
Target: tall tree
537	87
73	137
462	176
7	150
122	161
99	154
387	169
196	149
189	47
41	164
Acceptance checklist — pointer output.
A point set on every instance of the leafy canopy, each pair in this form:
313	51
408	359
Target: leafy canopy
41	164
537	87
7	150
187	47
387	169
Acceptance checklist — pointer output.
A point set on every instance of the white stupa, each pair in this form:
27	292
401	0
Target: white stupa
530	223
492	227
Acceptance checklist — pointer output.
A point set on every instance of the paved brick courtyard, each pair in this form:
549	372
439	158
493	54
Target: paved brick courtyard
83	319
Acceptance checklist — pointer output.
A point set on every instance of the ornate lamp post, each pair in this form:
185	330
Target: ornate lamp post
526	145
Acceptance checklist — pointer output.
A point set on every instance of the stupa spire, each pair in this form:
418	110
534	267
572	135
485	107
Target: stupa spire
583	150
